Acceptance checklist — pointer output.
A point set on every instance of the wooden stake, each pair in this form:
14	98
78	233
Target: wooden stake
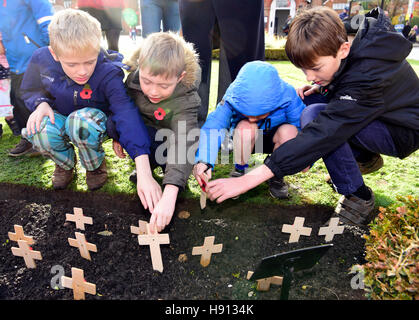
154	241
265	284
141	229
84	246
296	229
203	198
79	218
78	284
207	250
19	235
331	230
27	253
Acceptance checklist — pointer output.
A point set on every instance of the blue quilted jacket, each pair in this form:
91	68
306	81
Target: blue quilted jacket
257	90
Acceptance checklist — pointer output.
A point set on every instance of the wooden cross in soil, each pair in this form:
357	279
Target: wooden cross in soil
207	250
203	198
331	230
154	241
27	253
84	246
19	235
265	284
78	284
141	229
296	229
79	218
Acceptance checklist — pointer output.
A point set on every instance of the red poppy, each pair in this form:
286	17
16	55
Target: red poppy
159	114
86	93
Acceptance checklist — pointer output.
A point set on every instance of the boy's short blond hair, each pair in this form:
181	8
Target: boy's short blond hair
314	33
164	54
73	30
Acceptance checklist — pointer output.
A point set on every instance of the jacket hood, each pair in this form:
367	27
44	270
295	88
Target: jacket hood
374	34
193	70
256	90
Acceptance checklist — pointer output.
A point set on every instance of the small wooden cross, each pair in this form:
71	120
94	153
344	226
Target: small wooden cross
331	230
207	250
84	246
265	284
296	230
141	229
78	284
154	241
27	253
79	218
19	235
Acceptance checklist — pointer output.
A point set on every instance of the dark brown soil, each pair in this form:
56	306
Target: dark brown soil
121	269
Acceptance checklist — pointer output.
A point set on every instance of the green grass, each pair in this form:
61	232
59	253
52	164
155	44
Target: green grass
396	177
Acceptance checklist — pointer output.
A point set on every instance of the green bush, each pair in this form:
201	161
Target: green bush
270	54
392	250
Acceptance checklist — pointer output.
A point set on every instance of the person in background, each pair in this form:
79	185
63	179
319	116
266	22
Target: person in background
109	14
24	28
156	13
241	37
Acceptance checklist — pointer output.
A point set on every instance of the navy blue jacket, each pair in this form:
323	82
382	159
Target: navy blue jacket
375	82
45	80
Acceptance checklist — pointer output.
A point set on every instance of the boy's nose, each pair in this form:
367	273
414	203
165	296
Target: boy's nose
310	76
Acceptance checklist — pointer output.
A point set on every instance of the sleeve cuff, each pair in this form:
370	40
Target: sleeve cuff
273	167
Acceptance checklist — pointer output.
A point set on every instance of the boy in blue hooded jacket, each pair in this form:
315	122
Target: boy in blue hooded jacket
258	107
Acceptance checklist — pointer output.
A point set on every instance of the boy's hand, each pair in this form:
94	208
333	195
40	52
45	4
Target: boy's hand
117	148
200	170
223	189
163	211
34	122
307	90
149	191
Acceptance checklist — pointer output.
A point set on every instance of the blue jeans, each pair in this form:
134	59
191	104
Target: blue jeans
341	163
153	12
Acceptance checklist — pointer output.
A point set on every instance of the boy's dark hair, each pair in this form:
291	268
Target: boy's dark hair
313	33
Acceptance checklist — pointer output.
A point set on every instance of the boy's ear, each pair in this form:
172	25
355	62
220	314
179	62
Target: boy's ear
182	75
344	50
53	53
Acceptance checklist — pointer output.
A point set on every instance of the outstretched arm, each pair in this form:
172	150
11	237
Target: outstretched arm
223	189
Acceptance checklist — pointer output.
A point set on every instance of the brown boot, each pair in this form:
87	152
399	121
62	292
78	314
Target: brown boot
22	148
61	177
97	178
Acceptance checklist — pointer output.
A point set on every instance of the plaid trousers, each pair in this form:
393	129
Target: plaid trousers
84	128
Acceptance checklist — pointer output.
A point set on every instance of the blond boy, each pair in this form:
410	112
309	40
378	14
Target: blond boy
72	87
163	83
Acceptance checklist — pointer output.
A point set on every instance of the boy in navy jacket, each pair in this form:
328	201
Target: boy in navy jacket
370	107
72	87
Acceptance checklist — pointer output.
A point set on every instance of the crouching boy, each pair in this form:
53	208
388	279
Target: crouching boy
258	102
71	88
164	80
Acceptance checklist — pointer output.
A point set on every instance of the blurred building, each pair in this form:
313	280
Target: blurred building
277	11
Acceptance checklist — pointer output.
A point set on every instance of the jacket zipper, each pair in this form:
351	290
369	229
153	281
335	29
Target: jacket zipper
75	98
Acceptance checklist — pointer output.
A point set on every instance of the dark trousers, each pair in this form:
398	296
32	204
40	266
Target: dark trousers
341	163
20	112
241	38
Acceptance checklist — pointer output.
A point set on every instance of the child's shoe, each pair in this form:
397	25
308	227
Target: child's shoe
97	178
374	164
14	127
1	130
22	148
354	210
278	188
61	178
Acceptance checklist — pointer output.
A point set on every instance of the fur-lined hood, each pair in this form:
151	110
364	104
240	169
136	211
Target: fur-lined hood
193	70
